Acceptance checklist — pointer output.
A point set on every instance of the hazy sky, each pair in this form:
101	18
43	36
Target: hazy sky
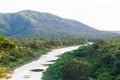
100	14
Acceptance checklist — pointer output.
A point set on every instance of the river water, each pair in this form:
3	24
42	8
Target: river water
24	72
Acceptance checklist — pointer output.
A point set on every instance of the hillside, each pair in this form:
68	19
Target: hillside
32	24
118	32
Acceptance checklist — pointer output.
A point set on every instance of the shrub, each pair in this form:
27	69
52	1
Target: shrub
75	70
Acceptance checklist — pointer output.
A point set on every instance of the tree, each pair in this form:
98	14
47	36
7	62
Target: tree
118	77
108	59
75	70
104	76
7	46
117	67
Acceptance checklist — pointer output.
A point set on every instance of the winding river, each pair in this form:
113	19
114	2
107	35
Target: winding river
24	72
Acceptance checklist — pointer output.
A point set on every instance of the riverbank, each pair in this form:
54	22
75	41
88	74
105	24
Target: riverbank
24	72
27	59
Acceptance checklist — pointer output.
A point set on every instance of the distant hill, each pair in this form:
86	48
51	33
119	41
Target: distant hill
118	32
32	24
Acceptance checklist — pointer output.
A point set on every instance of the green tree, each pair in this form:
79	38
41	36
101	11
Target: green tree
75	70
104	76
108	59
117	67
118	77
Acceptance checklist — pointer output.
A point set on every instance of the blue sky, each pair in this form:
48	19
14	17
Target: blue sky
100	14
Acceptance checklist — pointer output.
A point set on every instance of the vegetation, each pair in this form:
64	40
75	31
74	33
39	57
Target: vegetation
4	73
75	70
25	49
100	61
14	52
32	24
47	43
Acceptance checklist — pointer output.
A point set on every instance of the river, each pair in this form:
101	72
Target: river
24	72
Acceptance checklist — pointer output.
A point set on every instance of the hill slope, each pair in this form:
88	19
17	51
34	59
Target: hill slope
32	24
118	32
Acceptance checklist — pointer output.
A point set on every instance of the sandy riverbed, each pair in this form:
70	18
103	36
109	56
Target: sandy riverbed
24	72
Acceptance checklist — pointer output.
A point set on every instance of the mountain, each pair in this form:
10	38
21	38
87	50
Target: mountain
118	32
33	24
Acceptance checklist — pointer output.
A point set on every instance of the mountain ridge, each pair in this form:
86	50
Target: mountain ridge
33	24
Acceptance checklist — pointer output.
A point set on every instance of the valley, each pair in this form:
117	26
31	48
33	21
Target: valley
43	46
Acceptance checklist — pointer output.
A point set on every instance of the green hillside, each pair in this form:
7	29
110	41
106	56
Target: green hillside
32	24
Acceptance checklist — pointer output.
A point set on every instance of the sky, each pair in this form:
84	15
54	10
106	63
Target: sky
100	14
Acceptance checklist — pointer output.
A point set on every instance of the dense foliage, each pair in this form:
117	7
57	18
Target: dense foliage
47	43
100	61
14	52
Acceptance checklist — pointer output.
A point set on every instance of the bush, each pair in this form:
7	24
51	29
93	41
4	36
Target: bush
117	67
118	77
104	76
108	59
75	70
